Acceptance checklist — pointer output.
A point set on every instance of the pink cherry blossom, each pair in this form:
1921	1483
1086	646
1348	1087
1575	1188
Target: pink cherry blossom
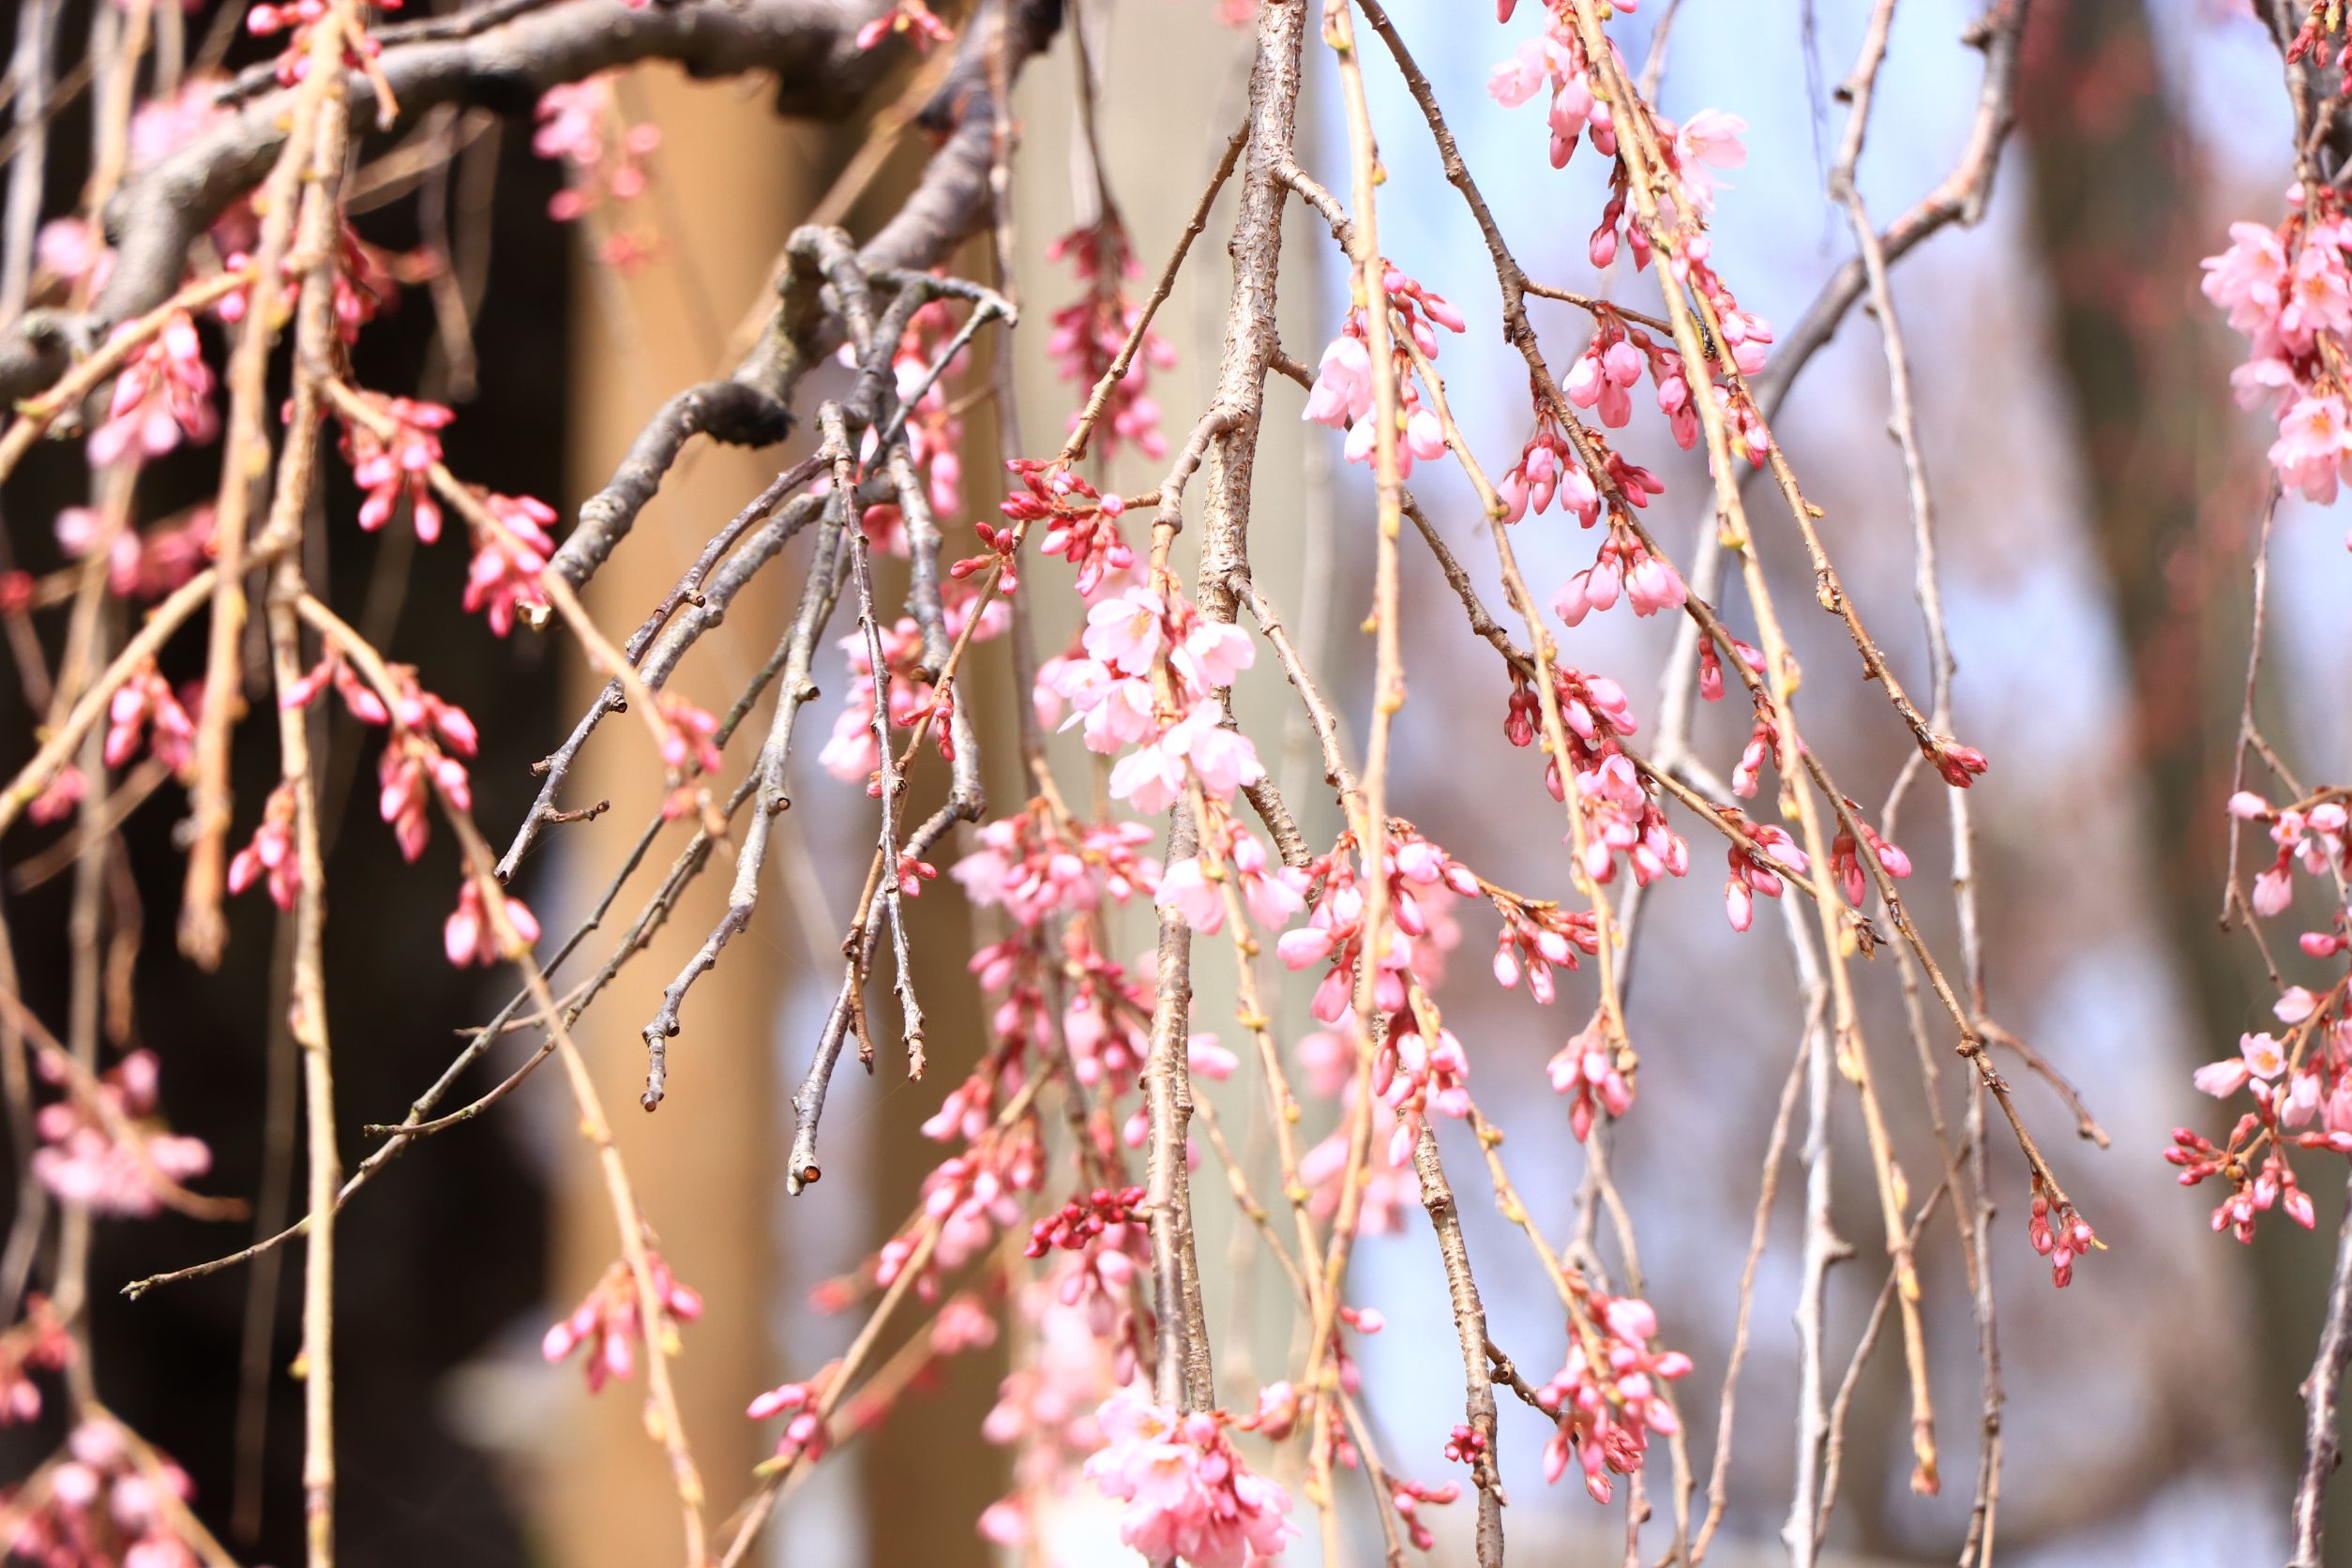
1189	1496
468	937
610	1325
106	1147
1088	335
271	852
162	396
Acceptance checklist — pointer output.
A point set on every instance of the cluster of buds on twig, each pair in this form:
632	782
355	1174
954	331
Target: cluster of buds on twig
297	18
611	1326
39	1342
104	1146
1609	1396
398	467
581	127
98	1503
1342	396
1088	332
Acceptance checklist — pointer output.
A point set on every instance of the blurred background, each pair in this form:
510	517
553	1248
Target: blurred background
2099	497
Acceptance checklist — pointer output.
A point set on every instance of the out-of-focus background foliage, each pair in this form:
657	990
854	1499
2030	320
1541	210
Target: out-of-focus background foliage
2098	494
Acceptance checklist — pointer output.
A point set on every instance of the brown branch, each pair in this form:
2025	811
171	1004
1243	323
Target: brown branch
808	46
2320	1393
1469	1327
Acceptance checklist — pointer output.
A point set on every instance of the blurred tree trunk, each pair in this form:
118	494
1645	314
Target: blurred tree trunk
729	183
2174	502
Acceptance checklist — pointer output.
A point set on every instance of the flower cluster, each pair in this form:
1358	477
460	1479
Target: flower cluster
1342	393
163	395
1081	526
1650	585
1193	886
1111	1246
297	18
1033	866
970	1197
1609	1396
271	851
805	1435
97	1503
1846	862
1694	153
2301	1080
581	127
1189	1494
400	467
2309	833
1622	816
503	581
852	754
2289	290
609	1323
1044	1408
469	936
1548	470
1537	937
1759	856
1597	1073
104	1148
1089	333
145	706
413	763
1130	637
1555	58
2302	1088
140	566
1083	1222
2062	1235
1418	873
38	1343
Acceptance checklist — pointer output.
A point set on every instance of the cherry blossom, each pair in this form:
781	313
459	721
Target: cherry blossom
502	581
97	1505
1609	1393
296	18
145	706
580	125
140	566
2062	1236
1089	333
2289	291
467	935
271	852
163	396
1033	868
1081	525
38	1343
805	1435
398	471
1708	140
104	1147
1596	1075
1188	1493
1342	393
2311	833
608	1326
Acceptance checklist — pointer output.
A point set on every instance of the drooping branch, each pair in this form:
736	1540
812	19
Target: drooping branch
809	47
820	288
